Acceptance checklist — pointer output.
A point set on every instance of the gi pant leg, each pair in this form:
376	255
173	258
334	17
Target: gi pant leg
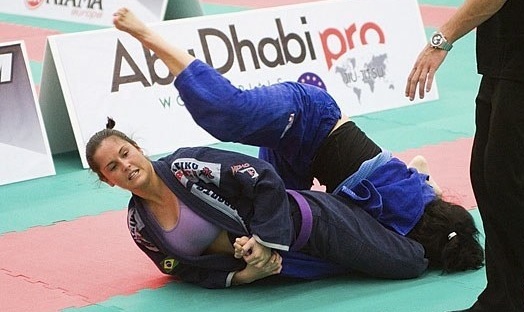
347	235
289	120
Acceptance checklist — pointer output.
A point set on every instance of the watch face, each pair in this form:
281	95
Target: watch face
436	39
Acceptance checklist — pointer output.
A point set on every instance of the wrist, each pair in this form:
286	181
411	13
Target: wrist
240	277
439	41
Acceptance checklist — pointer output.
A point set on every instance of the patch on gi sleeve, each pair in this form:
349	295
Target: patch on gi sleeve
168	264
245	168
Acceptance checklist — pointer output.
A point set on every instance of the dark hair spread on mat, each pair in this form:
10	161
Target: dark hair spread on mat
448	233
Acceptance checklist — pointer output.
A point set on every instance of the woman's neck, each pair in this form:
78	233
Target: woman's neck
162	203
154	191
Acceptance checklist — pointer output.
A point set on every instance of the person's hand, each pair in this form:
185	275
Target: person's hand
238	245
423	72
251	251
252	273
317	186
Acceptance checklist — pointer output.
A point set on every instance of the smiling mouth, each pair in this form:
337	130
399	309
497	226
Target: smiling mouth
133	174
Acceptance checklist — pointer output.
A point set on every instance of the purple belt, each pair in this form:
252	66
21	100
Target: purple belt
307	221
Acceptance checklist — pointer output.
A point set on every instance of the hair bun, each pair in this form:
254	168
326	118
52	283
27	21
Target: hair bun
110	123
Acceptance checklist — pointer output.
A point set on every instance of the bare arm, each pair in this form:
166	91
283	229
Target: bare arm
470	15
175	58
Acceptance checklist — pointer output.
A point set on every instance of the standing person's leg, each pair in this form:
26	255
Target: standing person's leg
504	175
493	294
497	168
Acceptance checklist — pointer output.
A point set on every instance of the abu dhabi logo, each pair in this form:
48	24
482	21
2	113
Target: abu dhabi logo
33	4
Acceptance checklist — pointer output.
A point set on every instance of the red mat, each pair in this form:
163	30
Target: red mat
432	16
73	263
22	294
34	38
93	258
449	166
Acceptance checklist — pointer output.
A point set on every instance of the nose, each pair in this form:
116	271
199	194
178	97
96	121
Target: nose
126	165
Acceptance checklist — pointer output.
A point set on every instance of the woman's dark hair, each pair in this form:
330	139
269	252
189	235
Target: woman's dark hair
97	138
449	236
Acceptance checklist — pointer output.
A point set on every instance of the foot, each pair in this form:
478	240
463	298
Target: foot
317	186
126	21
421	164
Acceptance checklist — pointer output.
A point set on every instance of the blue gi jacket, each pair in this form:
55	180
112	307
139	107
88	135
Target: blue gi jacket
243	198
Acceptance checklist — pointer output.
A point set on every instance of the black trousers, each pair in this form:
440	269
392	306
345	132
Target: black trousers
497	175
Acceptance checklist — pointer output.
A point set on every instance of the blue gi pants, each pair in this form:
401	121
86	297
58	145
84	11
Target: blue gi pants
348	236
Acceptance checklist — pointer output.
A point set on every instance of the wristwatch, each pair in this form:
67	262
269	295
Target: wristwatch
438	41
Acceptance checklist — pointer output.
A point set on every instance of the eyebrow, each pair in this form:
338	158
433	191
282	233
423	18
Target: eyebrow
119	152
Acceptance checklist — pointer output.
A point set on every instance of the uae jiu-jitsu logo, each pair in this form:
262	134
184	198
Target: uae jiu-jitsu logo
33	4
365	75
358	58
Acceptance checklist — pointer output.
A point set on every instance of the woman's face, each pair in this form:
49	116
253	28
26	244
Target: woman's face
122	164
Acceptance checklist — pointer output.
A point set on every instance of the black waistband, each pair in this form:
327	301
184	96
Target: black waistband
341	155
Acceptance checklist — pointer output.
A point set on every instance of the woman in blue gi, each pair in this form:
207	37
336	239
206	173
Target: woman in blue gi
303	135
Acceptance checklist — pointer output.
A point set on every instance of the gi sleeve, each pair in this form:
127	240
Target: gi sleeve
207	278
251	185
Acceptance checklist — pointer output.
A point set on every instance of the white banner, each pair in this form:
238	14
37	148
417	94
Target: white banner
356	49
95	12
24	150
